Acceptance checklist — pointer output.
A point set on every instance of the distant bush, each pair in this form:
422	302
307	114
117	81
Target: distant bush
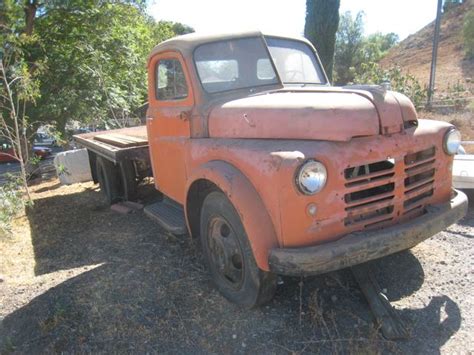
468	32
407	84
12	202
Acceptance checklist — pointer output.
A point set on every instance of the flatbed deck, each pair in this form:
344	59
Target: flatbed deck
117	144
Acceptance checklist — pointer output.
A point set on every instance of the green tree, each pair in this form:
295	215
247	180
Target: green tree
349	45
322	20
95	69
180	29
354	51
376	46
92	54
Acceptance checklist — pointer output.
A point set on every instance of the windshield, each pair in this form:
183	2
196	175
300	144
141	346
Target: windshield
245	63
295	61
234	64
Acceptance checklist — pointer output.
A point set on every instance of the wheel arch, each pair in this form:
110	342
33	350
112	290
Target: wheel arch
220	175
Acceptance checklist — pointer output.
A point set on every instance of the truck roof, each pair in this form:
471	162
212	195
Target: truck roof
188	42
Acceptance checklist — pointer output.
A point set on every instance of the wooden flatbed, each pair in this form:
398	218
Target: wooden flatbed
119	159
118	144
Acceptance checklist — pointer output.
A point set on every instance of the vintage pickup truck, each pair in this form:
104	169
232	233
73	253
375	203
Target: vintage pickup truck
275	170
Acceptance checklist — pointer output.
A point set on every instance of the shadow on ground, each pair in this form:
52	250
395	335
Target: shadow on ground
152	294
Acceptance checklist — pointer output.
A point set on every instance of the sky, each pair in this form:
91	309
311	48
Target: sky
287	16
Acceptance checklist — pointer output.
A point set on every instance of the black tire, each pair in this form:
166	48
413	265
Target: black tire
128	181
229	256
108	177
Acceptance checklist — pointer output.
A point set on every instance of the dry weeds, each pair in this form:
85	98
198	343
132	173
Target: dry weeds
77	277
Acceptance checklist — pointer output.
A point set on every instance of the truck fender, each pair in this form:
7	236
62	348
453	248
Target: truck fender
245	199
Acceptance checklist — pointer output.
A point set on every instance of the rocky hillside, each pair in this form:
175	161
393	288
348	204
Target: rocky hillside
413	54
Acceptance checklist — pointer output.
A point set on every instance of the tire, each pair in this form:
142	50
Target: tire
108	177
229	257
128	181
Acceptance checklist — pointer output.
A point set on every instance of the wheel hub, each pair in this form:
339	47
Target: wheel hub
226	254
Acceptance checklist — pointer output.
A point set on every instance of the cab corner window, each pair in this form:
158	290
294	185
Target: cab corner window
170	80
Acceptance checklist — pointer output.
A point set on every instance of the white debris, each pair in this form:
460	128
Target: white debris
73	166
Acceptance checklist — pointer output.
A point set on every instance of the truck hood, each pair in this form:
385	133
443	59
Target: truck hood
333	114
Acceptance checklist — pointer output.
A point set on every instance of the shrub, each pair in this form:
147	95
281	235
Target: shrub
407	84
12	201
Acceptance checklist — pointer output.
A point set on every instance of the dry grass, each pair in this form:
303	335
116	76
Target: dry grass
79	278
463	120
413	54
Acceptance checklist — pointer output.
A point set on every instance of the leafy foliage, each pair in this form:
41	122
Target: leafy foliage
354	51
349	43
11	202
88	57
468	33
82	60
407	84
97	69
322	19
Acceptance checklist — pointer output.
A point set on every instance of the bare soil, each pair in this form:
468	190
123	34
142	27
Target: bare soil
463	120
413	54
77	277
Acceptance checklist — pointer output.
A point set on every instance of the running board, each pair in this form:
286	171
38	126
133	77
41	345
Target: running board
169	215
391	326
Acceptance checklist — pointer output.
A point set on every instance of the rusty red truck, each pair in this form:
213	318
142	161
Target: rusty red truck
275	170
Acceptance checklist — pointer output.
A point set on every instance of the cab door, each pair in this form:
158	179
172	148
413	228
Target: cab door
170	103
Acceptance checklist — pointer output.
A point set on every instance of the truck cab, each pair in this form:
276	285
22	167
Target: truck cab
280	173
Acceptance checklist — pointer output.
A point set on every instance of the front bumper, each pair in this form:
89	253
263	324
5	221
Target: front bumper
359	247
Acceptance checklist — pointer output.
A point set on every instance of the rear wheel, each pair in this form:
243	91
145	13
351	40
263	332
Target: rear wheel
229	256
108	177
128	180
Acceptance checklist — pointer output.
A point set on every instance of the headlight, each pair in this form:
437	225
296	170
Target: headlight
311	177
452	141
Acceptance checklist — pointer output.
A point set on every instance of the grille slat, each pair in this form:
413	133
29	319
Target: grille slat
418	199
370	193
418	190
419	180
420	157
419	169
377	193
419	183
370	207
369	199
369	185
368	178
420	162
380	217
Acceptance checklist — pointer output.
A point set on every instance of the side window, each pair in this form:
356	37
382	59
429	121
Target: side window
265	70
170	80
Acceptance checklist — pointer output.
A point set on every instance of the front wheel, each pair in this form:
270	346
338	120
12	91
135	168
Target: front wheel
229	256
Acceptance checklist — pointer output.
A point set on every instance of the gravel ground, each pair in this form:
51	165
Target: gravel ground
79	278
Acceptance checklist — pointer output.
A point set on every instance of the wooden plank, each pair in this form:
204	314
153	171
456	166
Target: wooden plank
121	140
386	316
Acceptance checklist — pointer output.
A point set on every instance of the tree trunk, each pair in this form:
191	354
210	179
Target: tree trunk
322	21
30	13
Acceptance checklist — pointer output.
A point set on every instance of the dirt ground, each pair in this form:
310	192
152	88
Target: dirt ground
463	120
413	54
77	277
